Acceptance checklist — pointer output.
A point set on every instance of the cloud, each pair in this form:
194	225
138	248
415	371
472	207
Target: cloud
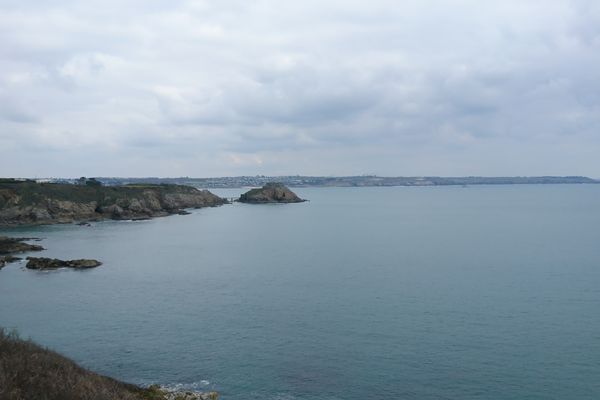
346	87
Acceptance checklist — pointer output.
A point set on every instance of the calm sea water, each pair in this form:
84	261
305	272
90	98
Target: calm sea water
486	292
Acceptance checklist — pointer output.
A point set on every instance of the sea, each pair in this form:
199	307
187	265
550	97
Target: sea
479	292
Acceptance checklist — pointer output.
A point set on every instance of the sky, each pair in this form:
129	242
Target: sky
276	87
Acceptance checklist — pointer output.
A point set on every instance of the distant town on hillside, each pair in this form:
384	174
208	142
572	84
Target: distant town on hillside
343	181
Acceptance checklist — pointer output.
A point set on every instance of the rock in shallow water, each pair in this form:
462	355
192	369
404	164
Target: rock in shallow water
158	392
42	263
8	259
192	396
10	245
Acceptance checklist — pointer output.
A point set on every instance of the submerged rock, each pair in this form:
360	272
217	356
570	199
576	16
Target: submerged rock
272	192
54	263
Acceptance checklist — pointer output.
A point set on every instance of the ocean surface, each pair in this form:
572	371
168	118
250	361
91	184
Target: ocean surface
483	292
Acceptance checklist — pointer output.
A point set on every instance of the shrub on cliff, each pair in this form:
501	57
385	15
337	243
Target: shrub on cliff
28	371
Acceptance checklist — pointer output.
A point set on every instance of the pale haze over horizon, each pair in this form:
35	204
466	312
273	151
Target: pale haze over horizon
221	88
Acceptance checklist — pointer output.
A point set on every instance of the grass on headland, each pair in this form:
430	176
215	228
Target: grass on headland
29	371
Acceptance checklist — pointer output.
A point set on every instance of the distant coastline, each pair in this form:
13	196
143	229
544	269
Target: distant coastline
339	181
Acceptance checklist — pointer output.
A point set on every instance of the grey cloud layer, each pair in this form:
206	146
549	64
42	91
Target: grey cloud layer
277	87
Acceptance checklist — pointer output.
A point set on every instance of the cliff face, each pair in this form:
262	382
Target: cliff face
49	203
270	193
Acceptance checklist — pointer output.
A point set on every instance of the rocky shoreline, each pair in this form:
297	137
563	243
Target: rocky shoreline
185	395
31	203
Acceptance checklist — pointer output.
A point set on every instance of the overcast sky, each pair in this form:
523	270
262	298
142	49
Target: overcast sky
228	87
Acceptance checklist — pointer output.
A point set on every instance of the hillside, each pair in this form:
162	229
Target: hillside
28	371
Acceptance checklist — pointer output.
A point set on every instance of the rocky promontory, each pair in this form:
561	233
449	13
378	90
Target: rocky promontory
272	192
31	203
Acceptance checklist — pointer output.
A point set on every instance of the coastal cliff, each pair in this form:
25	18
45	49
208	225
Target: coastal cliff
272	192
31	203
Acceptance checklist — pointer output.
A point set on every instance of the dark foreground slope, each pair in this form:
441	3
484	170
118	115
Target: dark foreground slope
28	371
28	202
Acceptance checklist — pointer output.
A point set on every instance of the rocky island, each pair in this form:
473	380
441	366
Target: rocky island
31	203
272	192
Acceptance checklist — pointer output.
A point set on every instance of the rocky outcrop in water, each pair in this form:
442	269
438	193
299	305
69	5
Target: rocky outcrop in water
8	259
11	245
42	263
270	193
31	203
